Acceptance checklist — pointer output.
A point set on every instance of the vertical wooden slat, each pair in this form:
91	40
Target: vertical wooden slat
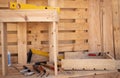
94	26
116	26
22	43
108	27
53	41
53	44
22	40
21	1
4	48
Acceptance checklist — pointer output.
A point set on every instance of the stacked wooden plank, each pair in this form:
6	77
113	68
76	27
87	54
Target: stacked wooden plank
73	28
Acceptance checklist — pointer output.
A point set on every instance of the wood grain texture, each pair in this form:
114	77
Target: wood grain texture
4	48
53	44
116	26
94	26
28	16
53	40
108	27
22	43
73	3
89	64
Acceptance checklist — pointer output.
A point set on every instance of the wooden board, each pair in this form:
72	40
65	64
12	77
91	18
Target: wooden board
94	26
73	14
73	3
108	28
28	15
89	64
116	27
62	36
64	47
38	2
53	40
22	43
4	48
61	26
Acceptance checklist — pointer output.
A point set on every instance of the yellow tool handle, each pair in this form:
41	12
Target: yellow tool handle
42	53
14	5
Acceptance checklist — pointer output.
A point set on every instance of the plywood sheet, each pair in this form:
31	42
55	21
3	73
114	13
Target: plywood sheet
89	64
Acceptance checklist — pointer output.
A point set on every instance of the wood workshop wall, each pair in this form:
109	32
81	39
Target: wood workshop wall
85	25
73	28
104	26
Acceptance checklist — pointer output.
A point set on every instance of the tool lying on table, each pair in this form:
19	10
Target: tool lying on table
38	67
26	71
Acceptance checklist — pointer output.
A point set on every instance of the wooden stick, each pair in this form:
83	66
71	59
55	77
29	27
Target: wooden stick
4	48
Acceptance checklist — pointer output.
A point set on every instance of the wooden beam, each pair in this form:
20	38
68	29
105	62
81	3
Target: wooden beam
28	15
53	44
94	26
90	64
53	41
4	48
108	27
22	43
22	39
116	26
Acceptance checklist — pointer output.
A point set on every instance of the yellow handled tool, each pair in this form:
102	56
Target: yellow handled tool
46	54
14	5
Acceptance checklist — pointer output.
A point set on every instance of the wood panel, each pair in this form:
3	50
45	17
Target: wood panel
4	48
108	27
72	29
12	38
116	27
89	64
38	2
22	43
12	48
28	16
73	3
94	26
61	26
65	47
53	40
62	36
73	14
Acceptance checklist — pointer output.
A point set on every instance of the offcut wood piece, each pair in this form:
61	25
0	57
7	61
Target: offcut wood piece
22	43
90	64
4	48
53	39
28	15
